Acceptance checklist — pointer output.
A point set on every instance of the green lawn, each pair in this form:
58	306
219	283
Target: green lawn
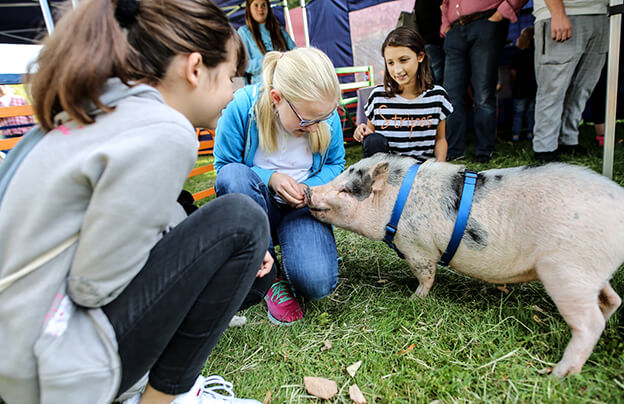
467	341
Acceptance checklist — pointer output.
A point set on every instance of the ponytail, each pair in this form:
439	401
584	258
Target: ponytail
267	127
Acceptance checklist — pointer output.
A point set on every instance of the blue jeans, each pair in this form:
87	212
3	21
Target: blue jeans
472	55
308	247
523	111
172	314
436	61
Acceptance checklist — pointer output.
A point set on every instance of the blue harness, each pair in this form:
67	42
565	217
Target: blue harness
470	181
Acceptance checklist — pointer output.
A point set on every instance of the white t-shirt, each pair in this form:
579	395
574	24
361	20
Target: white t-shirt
293	156
572	7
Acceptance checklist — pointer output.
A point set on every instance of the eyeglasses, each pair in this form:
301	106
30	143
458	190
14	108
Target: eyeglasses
307	122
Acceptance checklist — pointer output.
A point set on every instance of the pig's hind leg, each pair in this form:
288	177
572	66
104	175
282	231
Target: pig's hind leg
424	269
609	301
576	298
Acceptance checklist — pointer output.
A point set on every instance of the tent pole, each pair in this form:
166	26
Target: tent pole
615	24
47	15
304	14
289	27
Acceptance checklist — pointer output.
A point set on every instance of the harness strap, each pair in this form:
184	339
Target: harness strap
391	227
470	181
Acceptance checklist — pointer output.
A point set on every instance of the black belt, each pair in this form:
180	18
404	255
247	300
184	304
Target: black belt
467	19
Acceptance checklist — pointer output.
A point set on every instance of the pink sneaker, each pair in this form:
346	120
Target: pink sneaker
284	309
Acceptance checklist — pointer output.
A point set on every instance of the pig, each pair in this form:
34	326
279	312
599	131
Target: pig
557	223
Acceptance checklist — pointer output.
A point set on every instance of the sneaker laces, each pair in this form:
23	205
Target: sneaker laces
214	384
280	292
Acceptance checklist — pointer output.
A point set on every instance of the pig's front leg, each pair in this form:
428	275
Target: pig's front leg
424	269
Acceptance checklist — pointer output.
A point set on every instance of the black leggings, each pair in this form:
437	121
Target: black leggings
172	314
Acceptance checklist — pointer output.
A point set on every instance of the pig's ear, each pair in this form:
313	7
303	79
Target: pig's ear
380	175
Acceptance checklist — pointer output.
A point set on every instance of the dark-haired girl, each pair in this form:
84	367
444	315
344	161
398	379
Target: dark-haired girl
261	34
109	284
407	114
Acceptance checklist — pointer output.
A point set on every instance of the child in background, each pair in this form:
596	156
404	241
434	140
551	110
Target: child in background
262	33
407	114
523	85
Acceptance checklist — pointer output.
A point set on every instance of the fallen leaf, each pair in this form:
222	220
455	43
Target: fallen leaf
327	344
536	318
356	395
439	322
503	288
409	348
320	387
351	370
382	281
267	398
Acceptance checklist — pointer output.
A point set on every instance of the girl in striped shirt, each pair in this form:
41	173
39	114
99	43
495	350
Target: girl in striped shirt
407	114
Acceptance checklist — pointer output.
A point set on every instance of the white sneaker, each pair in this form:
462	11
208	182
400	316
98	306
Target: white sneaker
211	390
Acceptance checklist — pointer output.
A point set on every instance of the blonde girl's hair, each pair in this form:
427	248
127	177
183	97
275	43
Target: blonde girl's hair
272	24
89	46
409	38
300	75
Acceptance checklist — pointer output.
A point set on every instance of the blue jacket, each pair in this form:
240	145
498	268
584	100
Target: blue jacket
254	67
236	140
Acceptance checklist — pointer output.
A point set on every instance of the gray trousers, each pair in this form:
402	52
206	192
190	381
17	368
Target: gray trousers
566	74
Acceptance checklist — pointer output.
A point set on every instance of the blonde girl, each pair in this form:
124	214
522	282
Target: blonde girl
272	142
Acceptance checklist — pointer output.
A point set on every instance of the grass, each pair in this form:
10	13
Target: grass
468	341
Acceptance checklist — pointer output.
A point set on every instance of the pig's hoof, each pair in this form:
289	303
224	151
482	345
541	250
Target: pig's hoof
421	292
562	370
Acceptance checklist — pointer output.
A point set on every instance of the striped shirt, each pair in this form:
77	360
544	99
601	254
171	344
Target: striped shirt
409	125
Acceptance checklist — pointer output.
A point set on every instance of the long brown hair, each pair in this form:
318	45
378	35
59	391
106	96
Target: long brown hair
88	47
409	38
272	24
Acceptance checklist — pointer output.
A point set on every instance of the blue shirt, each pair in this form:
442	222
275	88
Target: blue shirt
253	52
236	140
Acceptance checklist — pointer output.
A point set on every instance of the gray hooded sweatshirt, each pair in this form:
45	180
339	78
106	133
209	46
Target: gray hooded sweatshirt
115	183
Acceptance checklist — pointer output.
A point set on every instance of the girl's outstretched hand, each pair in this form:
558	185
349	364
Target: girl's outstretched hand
288	189
361	132
267	264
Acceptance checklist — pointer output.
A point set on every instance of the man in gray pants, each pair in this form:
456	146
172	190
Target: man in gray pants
571	42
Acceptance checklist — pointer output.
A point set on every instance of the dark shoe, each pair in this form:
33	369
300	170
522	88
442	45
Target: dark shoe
482	158
572	149
546	156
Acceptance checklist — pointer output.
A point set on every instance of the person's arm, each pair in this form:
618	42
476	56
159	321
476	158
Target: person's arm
441	145
230	134
290	44
560	25
446	25
363	130
335	160
135	182
508	9
254	56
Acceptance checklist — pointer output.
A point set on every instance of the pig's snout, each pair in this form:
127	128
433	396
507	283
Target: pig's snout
313	201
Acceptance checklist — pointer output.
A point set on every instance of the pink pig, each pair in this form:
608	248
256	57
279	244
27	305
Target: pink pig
557	223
